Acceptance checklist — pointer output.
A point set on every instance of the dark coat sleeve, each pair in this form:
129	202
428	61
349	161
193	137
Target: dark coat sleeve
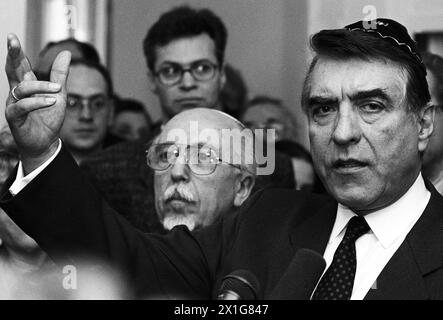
71	222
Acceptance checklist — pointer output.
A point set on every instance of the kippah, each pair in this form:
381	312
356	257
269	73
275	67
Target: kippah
391	31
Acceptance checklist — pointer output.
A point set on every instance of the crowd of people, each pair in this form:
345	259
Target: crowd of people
222	183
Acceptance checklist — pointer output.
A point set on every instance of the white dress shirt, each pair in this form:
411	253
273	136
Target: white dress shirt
21	180
389	227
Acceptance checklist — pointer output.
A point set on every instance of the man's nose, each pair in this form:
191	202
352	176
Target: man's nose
347	128
188	82
180	170
86	112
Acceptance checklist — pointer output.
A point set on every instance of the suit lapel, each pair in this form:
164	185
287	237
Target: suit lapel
426	238
401	279
313	232
420	253
310	231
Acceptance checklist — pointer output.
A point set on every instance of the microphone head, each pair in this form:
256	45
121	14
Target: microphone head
300	278
239	285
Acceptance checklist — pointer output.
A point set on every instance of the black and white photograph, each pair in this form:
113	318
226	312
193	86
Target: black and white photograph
221	157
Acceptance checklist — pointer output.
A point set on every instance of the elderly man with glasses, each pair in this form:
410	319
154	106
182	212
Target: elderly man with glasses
196	179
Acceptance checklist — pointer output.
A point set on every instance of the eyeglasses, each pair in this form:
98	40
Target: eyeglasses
201	159
172	73
96	104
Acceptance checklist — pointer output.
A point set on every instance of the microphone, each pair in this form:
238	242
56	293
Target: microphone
300	278
239	285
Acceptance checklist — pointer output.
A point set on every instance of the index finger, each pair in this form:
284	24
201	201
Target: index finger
17	65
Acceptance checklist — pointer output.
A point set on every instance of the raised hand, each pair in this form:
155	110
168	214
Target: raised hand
35	109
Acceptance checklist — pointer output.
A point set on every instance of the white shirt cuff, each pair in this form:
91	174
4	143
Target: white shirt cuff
22	181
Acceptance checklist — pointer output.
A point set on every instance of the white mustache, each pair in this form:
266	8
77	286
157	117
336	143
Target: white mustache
181	190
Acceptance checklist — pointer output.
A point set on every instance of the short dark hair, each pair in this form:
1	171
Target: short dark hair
342	44
182	22
87	50
100	68
131	105
434	64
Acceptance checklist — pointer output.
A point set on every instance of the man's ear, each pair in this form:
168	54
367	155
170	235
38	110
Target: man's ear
425	126
152	83
243	188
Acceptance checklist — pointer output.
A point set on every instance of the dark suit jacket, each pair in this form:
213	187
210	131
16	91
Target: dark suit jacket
67	217
124	179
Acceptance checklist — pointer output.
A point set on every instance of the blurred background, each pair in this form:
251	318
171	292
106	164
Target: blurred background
267	39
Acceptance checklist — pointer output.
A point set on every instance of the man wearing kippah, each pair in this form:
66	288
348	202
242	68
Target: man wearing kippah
380	233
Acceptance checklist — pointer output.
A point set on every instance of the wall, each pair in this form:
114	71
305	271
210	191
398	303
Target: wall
416	15
12	19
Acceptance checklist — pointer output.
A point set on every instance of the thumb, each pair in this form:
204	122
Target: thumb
60	68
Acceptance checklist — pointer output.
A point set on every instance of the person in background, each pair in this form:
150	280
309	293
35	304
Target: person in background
304	175
433	156
199	191
90	109
131	120
265	112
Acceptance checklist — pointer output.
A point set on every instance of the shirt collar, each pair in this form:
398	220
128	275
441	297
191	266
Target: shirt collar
389	223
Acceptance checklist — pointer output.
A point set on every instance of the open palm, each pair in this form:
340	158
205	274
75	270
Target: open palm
36	118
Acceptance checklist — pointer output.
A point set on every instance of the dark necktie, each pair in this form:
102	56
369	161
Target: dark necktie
338	280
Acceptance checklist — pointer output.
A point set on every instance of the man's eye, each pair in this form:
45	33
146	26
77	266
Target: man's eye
203	68
72	103
98	104
372	107
167	155
322	110
169	71
206	156
163	156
